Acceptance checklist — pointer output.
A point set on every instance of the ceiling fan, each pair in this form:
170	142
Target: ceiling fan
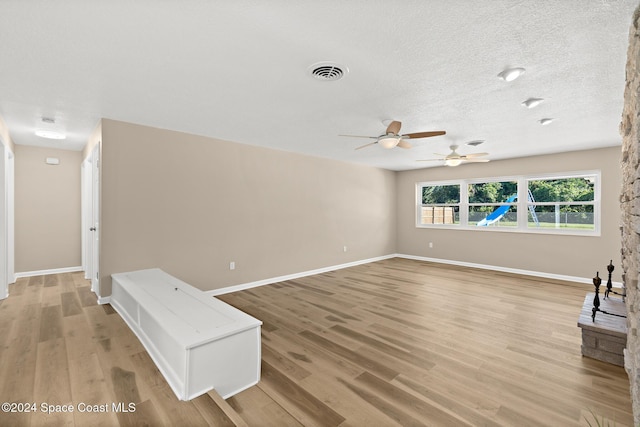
392	137
455	159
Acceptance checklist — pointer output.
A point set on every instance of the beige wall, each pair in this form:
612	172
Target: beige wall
47	209
578	256
190	205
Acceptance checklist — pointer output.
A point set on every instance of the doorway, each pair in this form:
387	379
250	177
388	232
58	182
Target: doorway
91	218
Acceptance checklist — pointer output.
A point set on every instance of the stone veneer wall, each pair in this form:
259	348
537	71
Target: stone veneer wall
630	209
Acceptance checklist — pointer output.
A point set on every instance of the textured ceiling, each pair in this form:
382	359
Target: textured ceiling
238	71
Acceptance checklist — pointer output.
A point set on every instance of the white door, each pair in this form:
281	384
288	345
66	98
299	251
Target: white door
90	218
95	219
87	217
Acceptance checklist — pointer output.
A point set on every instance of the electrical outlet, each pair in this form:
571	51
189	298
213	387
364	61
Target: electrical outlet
232	265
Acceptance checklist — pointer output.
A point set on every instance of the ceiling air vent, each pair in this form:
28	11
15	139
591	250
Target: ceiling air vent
476	142
328	71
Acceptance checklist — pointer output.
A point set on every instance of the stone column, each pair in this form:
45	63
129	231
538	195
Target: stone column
630	209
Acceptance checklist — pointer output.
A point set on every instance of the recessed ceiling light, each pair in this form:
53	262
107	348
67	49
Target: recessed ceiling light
532	102
50	134
545	121
510	74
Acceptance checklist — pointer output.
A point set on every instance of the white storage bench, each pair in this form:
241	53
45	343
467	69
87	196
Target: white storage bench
198	342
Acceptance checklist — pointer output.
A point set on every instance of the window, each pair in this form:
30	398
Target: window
562	203
440	204
493	203
558	203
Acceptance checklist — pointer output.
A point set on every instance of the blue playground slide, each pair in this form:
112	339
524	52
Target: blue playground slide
498	213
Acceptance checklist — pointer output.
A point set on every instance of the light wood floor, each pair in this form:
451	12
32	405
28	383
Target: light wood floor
396	342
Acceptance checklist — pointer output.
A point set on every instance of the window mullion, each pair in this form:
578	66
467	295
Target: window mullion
523	200
464	204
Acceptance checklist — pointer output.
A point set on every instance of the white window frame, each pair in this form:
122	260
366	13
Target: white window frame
522	204
486	180
461	208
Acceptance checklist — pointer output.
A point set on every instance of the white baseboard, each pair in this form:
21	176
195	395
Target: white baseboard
541	274
507	270
104	300
50	271
255	284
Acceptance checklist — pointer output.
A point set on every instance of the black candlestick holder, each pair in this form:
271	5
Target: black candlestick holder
609	290
597	281
596	299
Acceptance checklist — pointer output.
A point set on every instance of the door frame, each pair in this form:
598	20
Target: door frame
11	236
7	236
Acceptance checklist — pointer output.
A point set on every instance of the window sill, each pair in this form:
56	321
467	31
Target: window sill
545	231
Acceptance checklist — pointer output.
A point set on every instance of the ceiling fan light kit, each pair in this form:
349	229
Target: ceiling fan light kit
453	162
454	159
393	138
389	142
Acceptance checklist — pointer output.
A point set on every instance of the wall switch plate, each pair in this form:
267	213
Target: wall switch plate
232	265
431	244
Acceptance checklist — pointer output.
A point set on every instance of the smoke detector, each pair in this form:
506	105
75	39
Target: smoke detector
327	71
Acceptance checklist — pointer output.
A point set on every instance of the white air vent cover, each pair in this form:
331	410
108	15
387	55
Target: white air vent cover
328	71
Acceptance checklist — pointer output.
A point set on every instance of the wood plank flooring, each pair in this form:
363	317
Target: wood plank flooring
402	342
396	342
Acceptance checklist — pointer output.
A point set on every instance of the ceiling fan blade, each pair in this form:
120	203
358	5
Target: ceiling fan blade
475	160
473	155
403	144
366	145
360	136
430	160
416	135
444	156
394	127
